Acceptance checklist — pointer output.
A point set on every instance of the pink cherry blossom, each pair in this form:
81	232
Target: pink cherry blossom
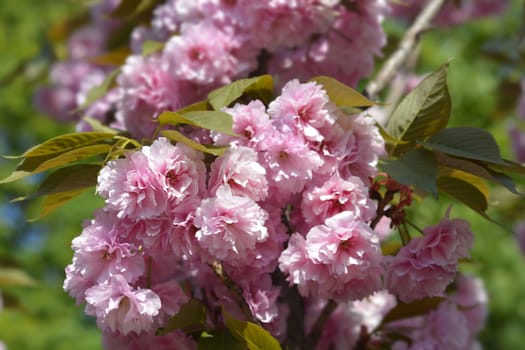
345	51
172	297
120	308
444	243
147	87
472	299
307	105
340	259
427	265
337	195
240	170
132	188
230	226
250	121
102	251
160	178
289	162
204	54
410	279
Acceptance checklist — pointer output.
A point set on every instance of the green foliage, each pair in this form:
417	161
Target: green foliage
432	158
15	277
423	112
220	339
342	95
176	136
211	120
406	310
252	336
190	318
470	143
257	87
417	167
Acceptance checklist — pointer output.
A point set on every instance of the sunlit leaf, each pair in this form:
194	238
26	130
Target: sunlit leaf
254	337
35	165
423	112
508	166
10	277
416	168
152	46
197	106
466	188
466	142
224	96
97	126
64	143
54	201
116	57
174	135
477	169
211	120
67	179
341	94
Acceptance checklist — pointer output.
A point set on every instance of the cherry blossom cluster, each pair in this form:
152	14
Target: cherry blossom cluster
208	43
290	196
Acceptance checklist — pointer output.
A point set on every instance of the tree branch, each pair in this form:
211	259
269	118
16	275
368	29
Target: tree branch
406	46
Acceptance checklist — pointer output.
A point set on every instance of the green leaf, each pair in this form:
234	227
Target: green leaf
416	168
130	8
220	339
477	169
100	90
211	120
415	308
66	142
67	179
261	86
152	46
190	318
174	135
197	106
508	166
10	277
55	201
341	94
116	57
254	337
35	165
97	126
466	142
466	188
423	112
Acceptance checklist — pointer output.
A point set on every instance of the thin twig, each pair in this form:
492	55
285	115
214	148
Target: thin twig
406	46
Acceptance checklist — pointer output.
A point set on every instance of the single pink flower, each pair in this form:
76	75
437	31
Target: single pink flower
239	168
337	195
230	226
120	308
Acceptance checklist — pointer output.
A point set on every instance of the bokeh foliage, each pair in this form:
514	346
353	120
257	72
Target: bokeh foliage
483	90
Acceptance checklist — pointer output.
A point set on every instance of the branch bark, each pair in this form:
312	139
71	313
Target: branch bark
406	46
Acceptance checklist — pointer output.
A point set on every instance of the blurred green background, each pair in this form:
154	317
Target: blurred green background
484	82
